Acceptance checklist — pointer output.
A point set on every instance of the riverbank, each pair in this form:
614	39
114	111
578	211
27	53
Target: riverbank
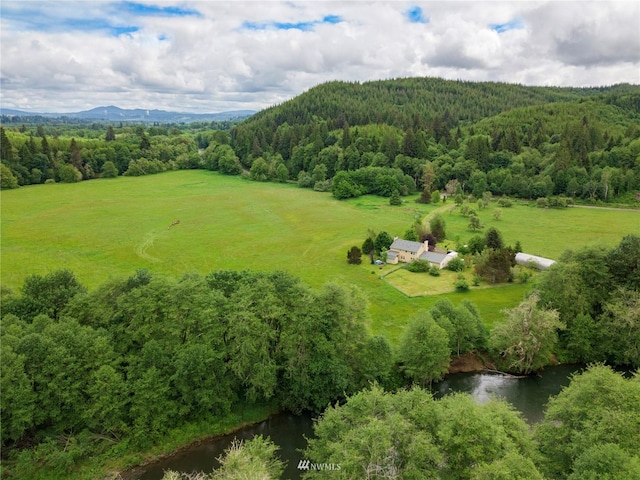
473	362
131	465
528	394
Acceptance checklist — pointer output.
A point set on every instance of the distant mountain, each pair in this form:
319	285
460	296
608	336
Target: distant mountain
116	114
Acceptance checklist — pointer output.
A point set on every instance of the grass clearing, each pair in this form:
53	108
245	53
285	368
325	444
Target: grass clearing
416	284
111	227
548	232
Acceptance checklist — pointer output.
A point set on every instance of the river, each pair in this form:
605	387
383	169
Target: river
529	395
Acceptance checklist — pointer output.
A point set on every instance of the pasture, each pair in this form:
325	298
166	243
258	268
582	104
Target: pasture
546	232
111	227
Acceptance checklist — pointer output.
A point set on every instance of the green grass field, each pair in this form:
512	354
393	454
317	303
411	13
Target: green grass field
548	232
105	228
111	227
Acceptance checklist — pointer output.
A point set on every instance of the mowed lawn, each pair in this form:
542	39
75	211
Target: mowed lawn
111	227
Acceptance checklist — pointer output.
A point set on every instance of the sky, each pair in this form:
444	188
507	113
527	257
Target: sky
215	56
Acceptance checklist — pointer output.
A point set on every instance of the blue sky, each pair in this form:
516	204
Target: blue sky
210	56
415	14
303	25
514	24
156	9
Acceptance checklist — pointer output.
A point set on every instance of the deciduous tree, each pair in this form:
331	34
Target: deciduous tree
494	266
598	409
109	170
7	179
18	397
620	327
476	244
463	324
605	462
260	170
255	458
524	342
46	295
624	262
69	174
410	435
424	350
474	223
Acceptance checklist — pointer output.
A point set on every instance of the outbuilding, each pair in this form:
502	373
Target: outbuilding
528	260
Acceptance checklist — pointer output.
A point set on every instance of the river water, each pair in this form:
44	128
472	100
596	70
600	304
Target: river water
529	395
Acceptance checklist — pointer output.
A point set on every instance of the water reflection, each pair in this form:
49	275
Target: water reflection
529	394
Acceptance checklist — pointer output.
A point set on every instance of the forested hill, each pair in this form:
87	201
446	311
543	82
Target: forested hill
405	103
433	135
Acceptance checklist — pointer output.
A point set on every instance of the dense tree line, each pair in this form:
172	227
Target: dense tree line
138	356
596	292
525	142
33	155
584	309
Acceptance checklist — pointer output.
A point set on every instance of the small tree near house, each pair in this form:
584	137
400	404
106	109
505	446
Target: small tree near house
410	234
437	226
354	256
430	239
518	247
493	239
494	265
456	265
368	248
382	242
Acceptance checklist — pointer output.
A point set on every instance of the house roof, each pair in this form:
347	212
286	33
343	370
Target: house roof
433	257
406	245
391	255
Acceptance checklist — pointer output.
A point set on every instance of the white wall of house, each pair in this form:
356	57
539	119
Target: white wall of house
450	256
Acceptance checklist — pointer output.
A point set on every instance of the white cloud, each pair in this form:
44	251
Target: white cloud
216	56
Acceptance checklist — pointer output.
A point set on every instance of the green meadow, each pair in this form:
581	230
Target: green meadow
546	232
111	227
